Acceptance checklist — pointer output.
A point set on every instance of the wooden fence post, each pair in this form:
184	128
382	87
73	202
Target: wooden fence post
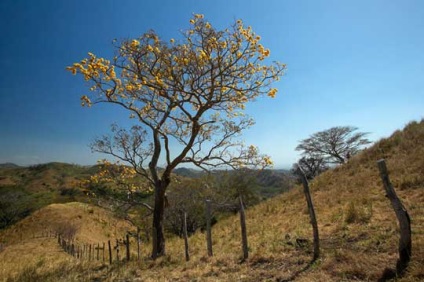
117	250
243	229
405	243
110	252
187	254
103	251
311	210
98	250
89	252
127	244
208	227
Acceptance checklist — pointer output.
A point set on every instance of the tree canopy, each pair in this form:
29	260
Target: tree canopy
335	145
190	91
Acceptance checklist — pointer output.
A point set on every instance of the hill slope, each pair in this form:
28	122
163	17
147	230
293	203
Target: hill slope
26	244
358	229
23	190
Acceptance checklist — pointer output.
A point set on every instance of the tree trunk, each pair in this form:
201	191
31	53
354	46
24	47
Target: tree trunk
405	243
158	216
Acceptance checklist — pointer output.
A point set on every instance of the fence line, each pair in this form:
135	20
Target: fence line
97	251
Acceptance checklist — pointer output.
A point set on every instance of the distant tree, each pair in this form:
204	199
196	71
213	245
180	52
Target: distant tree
228	186
222	188
186	196
188	98
311	166
335	145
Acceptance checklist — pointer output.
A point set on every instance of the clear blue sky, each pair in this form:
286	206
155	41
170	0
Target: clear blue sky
357	63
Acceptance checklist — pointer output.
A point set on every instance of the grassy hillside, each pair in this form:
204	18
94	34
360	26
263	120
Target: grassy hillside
358	230
357	226
24	190
25	248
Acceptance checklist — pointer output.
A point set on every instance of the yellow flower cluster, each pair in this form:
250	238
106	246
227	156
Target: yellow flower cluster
85	101
267	161
135	43
272	92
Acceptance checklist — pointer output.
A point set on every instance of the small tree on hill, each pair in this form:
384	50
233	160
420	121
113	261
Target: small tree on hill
311	166
335	145
188	99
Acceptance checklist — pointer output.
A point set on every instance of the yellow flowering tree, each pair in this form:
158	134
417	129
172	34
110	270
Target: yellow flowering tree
118	187
190	92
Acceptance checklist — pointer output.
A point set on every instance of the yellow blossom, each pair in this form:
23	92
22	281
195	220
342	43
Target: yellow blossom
272	92
267	161
85	101
135	43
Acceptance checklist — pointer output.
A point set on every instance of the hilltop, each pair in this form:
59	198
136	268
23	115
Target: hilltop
358	229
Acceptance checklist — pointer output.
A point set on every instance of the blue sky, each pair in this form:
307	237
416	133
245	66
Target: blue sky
357	63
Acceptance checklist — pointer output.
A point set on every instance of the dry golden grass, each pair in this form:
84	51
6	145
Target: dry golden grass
358	230
25	248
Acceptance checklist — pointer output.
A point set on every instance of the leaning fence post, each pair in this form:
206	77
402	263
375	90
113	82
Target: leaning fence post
243	229
405	243
208	227
311	211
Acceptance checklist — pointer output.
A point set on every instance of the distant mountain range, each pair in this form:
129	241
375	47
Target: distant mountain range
9	165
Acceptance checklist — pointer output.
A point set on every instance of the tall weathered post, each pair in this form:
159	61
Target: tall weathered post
405	242
110	252
311	210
